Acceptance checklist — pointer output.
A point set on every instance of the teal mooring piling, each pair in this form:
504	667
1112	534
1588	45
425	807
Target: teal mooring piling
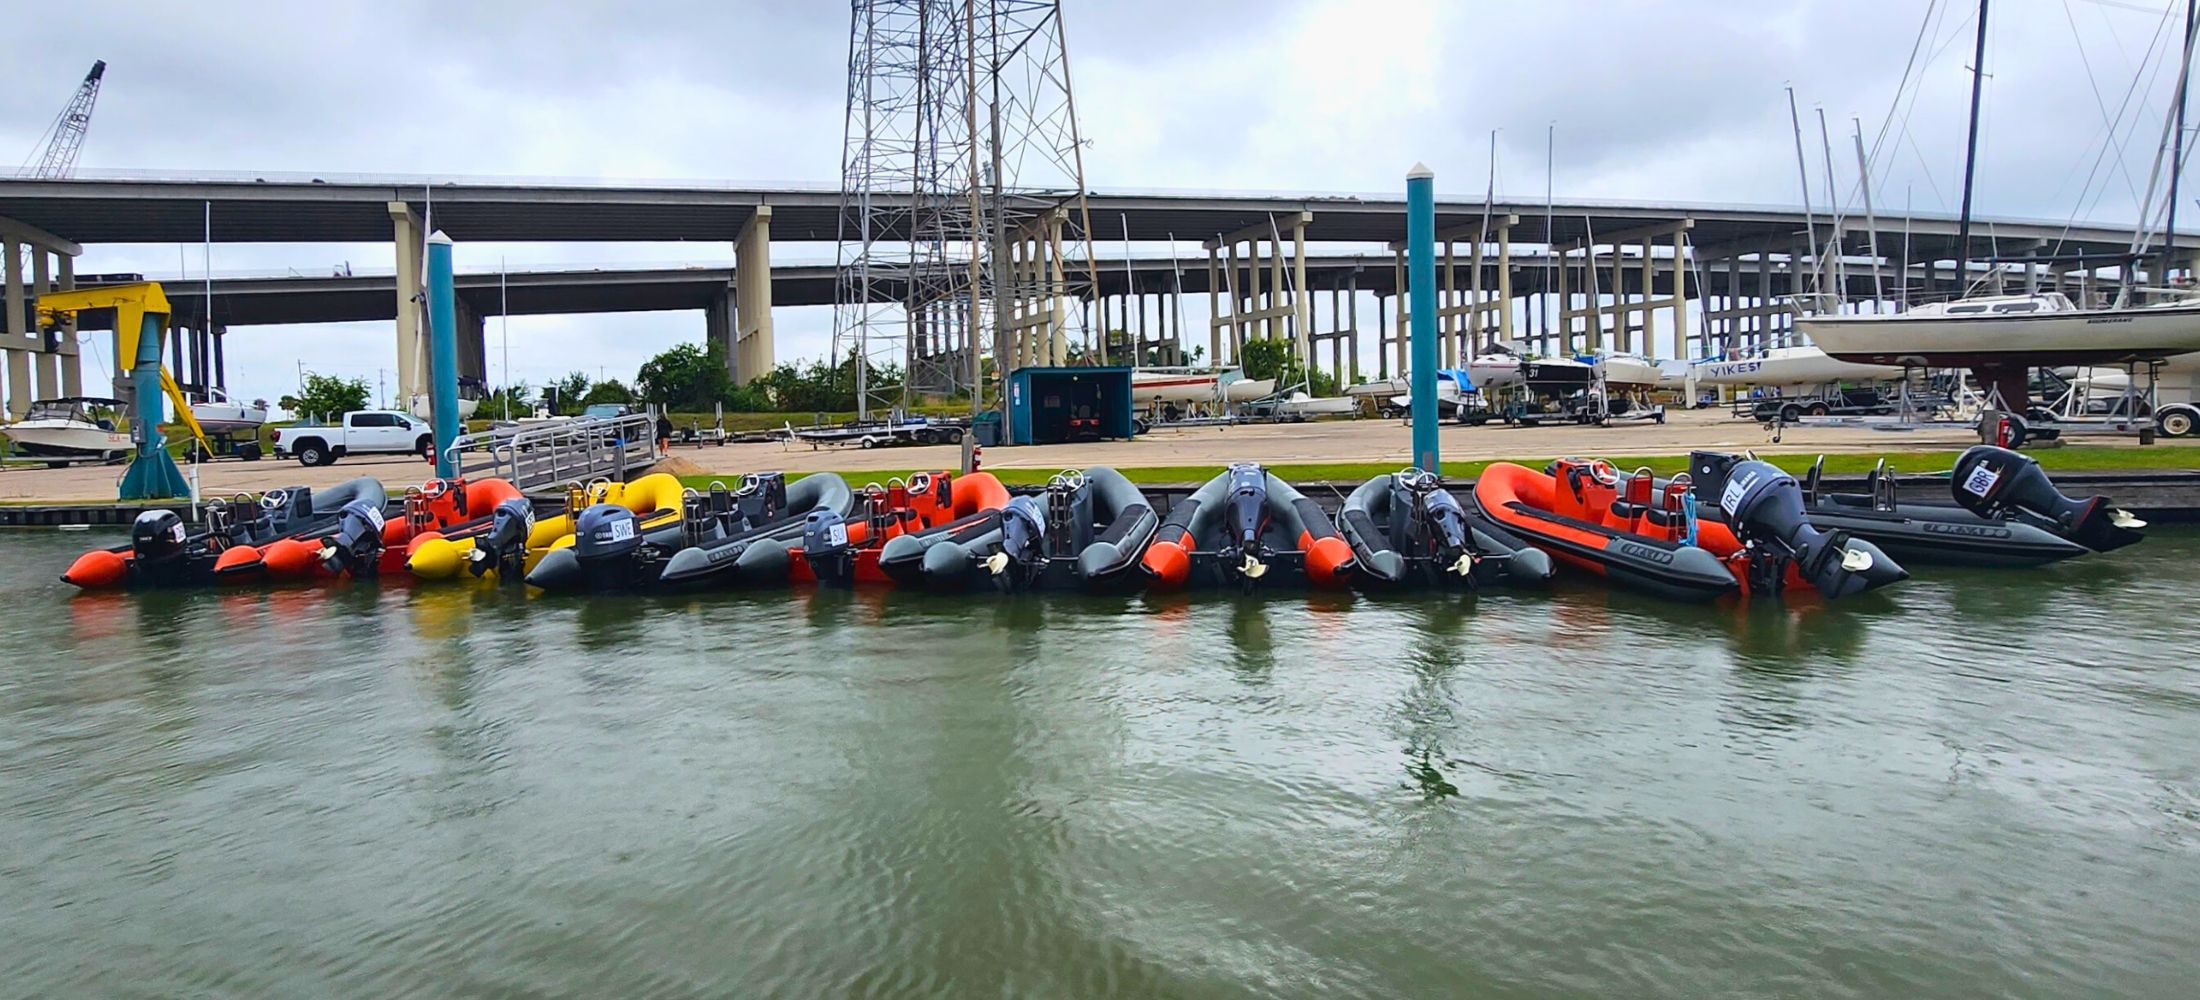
442	353
1421	284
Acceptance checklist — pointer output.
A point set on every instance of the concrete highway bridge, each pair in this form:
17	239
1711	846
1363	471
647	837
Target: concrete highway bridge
1567	276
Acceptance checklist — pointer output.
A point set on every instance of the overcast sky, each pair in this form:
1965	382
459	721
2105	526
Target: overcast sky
1672	100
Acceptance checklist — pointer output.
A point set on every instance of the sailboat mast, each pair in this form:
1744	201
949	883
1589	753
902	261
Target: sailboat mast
2177	153
1802	169
1970	155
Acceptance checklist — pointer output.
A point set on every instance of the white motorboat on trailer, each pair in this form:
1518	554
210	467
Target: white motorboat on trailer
67	428
1454	388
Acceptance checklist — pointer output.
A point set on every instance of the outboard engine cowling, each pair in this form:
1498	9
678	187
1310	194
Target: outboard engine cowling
1023	535
825	545
504	547
1446	538
606	539
1248	507
158	544
1994	482
606	530
824	533
1765	507
356	548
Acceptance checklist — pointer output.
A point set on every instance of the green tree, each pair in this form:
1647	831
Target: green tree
567	395
686	377
518	397
1265	359
327	396
1272	359
609	390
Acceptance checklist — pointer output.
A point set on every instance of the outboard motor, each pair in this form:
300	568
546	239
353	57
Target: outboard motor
607	541
1765	508
158	546
1247	506
1995	482
1023	540
825	545
504	547
1427	522
356	548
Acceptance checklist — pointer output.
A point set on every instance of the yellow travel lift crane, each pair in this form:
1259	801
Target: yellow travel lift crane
141	313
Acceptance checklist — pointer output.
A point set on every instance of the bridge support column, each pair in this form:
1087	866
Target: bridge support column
47	346
1468	316
18	335
412	342
221	371
72	354
718	327
55	355
1265	295
473	343
752	352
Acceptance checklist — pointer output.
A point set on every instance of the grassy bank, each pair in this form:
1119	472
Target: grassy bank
2157	458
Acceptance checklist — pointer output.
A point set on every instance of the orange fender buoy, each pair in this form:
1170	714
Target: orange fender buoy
291	558
1327	560
237	560
97	569
1168	564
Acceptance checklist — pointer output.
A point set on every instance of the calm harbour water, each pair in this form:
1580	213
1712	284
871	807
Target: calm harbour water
1977	784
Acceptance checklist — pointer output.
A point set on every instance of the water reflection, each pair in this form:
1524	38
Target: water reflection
1426	710
1251	635
819	792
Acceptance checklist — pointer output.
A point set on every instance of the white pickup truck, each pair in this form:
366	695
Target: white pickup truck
360	432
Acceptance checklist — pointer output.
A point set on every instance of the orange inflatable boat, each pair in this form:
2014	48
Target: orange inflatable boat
893	525
1646	534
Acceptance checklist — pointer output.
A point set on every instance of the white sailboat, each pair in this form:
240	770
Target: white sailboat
2003	335
1380	388
1786	366
1195	385
1628	371
219	414
1299	404
2018	330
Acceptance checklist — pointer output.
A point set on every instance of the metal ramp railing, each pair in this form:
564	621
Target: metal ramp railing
541	457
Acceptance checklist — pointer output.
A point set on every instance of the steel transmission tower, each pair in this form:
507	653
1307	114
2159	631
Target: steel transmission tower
65	138
961	172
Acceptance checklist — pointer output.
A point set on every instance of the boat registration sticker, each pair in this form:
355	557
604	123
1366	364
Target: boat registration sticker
1981	480
622	531
837	534
1736	488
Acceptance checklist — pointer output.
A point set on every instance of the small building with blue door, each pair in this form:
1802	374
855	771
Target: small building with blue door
1058	405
